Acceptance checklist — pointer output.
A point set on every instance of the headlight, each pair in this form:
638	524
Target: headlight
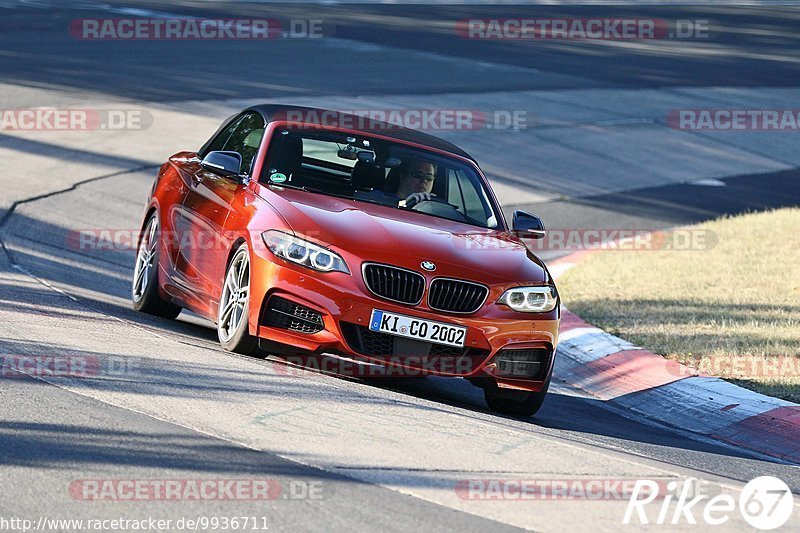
303	252
530	299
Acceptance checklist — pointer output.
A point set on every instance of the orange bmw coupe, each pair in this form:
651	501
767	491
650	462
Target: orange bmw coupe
356	239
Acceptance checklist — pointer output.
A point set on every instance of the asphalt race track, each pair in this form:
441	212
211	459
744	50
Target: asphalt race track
596	151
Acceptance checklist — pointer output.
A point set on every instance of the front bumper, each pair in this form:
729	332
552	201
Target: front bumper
345	305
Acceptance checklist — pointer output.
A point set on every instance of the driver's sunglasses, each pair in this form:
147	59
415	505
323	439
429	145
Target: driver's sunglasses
418	174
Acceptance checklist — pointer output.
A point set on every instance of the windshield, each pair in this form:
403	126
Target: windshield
372	170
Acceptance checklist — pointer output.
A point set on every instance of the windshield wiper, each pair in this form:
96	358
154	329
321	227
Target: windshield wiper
307	189
317	191
290	186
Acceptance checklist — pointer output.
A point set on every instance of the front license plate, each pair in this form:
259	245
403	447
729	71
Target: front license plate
417	328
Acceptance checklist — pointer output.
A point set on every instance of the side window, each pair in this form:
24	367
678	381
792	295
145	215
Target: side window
472	200
469	197
245	139
219	141
454	194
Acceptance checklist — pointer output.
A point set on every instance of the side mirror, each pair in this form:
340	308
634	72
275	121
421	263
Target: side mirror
228	164
527	225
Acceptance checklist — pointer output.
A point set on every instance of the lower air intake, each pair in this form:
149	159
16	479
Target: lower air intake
528	364
285	314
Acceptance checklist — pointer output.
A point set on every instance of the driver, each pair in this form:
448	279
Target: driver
416	181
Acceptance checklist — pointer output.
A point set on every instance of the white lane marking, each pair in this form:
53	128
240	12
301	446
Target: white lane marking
702	404
624	121
144	13
708	182
577	332
600	345
559	269
135	12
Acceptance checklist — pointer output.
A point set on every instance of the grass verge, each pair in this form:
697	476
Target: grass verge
731	309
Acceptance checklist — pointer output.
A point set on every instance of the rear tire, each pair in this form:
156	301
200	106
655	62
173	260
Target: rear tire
515	402
234	306
144	288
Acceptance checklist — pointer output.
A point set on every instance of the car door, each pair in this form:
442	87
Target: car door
203	244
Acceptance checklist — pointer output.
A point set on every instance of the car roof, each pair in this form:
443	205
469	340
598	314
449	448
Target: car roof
276	111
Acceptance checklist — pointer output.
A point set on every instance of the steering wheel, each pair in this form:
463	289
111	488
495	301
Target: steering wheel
441	208
434	198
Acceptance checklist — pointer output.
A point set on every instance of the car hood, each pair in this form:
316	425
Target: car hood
362	231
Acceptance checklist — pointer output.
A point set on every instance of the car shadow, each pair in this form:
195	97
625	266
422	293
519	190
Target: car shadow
102	284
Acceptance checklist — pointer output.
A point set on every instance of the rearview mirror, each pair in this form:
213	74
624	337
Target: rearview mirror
228	164
352	155
366	157
527	225
392	162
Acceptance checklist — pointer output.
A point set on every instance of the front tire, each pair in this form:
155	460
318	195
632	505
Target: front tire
144	288
515	402
234	306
